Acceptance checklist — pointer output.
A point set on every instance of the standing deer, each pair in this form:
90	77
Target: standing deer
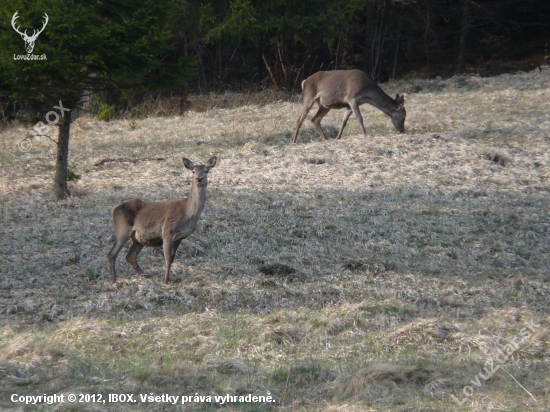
29	40
156	224
338	89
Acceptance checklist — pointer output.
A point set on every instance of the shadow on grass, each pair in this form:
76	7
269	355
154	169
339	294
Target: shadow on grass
270	273
336	247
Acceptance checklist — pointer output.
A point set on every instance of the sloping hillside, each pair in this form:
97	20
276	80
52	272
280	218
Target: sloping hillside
370	273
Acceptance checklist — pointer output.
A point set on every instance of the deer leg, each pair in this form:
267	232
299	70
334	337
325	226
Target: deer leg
168	245
307	108
317	120
175	249
355	107
133	254
121	239
344	122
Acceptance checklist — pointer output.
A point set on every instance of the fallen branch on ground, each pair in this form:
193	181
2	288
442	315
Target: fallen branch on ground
127	160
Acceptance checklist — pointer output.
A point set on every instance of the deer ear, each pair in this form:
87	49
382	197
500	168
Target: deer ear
212	162
188	163
400	100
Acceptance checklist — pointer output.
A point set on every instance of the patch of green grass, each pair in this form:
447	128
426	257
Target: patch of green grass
386	309
106	112
92	274
302	375
277	269
72	176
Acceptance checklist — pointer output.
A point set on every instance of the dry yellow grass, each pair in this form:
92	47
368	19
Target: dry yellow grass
371	273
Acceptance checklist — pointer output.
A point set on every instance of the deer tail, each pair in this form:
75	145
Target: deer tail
127	211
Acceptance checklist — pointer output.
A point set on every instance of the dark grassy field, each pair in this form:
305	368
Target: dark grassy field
372	273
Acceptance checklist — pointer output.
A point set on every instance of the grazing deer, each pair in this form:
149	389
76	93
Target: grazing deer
338	89
159	223
29	40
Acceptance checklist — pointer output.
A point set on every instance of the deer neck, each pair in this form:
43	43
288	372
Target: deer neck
386	104
195	201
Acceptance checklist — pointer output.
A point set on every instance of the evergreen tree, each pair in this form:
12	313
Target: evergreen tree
90	46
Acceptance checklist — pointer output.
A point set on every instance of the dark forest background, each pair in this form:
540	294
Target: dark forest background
275	43
280	41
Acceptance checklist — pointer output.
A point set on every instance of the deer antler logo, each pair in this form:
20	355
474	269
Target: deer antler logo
29	40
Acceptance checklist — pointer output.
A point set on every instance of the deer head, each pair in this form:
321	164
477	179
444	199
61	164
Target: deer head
398	116
200	172
29	40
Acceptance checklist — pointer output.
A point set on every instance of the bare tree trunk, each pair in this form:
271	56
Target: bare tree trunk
399	28
270	72
283	68
464	30
260	63
369	37
427	36
382	27
220	62
337	53
62	160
